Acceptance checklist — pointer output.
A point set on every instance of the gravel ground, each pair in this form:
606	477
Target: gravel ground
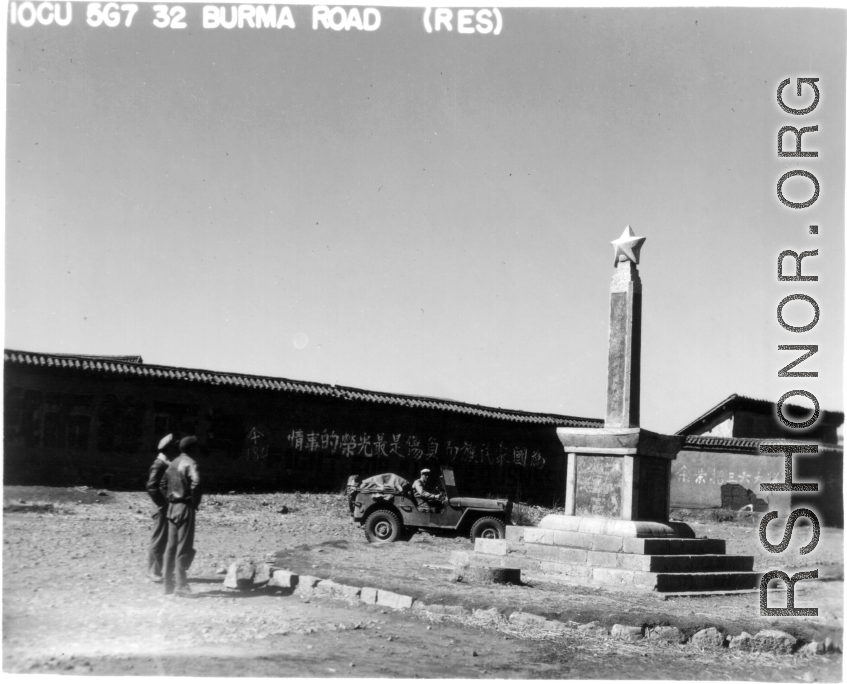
75	600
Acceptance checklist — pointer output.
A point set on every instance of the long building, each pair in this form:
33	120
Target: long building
95	420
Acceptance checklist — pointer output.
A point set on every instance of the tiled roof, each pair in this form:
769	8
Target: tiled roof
743	445
132	366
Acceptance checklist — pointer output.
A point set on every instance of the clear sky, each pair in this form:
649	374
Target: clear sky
429	213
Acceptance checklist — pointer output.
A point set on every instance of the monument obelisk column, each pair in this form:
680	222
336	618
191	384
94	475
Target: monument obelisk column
623	387
621	471
624	381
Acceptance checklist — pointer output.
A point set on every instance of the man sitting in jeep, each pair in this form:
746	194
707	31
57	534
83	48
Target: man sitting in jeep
427	493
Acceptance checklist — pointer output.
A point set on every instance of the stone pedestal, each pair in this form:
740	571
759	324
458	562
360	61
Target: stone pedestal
618	473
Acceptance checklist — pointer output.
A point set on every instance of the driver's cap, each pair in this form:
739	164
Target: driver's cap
425	471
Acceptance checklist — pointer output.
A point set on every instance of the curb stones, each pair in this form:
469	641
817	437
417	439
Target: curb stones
391	600
770	640
774	641
328	587
262	575
708	638
439	609
521	619
743	642
813	648
487	612
672	635
283	579
368	595
627	633
240	574
593	627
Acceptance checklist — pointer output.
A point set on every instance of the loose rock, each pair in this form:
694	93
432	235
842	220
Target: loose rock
667	633
743	642
262	575
283	579
774	641
593	627
708	638
240	574
487	612
627	632
813	648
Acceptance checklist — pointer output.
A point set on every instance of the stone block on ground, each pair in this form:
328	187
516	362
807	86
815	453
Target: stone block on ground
283	579
774	641
519	617
391	600
667	633
743	642
349	592
328	587
708	638
483	574
368	595
813	648
240	574
522	619
263	574
440	609
324	587
627	632
306	585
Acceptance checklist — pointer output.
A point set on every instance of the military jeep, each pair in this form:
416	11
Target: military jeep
386	507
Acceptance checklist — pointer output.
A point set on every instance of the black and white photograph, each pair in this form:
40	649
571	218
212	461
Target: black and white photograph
424	342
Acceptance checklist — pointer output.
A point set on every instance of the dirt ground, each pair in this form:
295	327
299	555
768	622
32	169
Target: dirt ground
76	601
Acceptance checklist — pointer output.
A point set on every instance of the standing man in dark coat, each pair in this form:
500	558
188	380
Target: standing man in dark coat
157	489
184	495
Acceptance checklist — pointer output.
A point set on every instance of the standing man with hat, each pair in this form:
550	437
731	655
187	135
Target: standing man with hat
183	477
427	494
157	489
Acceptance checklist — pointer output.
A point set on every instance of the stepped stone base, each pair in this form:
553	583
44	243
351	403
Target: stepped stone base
616	527
661	564
613	542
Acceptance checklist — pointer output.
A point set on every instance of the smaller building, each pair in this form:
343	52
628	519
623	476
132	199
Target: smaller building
722	465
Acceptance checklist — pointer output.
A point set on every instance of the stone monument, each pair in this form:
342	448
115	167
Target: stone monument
616	528
622	472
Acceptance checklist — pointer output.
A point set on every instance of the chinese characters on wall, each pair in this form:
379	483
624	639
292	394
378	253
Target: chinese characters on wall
718	476
412	447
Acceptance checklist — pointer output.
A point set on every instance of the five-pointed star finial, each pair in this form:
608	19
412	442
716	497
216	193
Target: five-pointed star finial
627	246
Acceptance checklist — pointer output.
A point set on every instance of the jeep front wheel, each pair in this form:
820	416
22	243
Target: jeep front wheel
382	527
488	528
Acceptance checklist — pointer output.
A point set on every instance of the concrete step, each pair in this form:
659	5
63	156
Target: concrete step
607	559
662	546
614	577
